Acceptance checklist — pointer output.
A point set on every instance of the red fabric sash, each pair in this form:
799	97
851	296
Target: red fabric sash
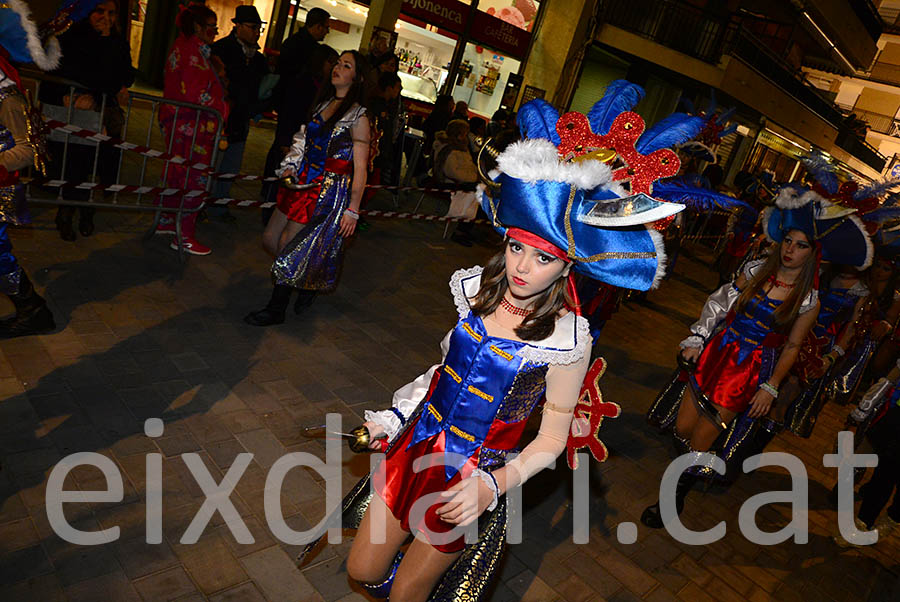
338	166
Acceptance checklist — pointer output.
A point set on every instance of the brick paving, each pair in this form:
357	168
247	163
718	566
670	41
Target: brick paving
142	335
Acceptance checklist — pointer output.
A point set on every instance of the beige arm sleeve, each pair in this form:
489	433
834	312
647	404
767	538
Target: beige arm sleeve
12	115
563	386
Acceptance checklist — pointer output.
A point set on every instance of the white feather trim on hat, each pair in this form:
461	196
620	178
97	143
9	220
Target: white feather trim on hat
660	245
537	159
870	248
46	57
790	197
766	214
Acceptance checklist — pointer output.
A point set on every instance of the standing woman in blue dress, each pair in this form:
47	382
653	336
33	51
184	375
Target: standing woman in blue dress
329	157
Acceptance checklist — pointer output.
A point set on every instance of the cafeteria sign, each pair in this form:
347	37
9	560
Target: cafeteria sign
499	34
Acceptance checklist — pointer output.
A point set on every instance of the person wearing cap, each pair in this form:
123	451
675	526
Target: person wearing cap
245	68
519	337
20	147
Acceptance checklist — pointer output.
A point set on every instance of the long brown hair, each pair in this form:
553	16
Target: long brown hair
789	309
356	94
540	323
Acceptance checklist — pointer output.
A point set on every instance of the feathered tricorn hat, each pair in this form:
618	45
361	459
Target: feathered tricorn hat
835	229
584	183
715	128
20	38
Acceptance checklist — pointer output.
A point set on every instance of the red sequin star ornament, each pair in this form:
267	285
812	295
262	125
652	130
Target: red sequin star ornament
640	171
588	417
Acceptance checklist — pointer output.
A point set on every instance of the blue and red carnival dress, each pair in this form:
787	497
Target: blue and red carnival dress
474	411
835	311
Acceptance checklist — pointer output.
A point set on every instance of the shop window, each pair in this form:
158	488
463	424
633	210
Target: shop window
482	77
136	32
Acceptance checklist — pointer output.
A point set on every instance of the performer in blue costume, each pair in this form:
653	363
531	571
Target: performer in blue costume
841	302
562	209
877	417
330	157
749	335
21	146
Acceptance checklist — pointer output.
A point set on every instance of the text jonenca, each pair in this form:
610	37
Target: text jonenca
436	9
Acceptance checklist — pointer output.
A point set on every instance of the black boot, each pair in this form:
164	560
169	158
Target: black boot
64	223
304	300
86	221
273	313
32	315
652	516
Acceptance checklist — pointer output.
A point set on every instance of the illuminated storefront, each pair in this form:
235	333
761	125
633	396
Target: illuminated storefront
493	37
472	49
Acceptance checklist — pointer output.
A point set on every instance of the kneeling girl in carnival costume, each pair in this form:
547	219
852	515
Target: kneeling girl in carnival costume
749	336
454	431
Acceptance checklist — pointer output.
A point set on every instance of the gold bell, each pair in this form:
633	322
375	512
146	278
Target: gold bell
362	439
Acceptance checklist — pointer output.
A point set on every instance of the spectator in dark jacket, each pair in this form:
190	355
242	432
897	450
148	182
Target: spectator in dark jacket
245	68
96	56
437	120
294	111
297	49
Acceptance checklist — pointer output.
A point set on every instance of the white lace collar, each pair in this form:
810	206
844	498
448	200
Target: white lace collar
570	340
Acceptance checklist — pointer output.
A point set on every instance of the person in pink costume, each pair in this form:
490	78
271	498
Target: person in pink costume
191	76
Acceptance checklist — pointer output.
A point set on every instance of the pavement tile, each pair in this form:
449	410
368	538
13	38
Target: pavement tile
224	452
530	588
259	530
73	564
210	563
17	534
694	571
105	588
12	508
329	578
277	576
574	589
660	594
240	421
24	564
264	446
45	588
139	558
628	573
246	592
694	593
175	446
594	573
167	585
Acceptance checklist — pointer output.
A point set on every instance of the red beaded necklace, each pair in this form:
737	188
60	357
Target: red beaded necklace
516	311
779	284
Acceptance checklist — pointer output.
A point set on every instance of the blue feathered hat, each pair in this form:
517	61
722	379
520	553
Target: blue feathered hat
715	128
840	233
584	183
19	36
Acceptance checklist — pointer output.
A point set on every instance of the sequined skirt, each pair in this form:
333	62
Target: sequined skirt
13	209
312	260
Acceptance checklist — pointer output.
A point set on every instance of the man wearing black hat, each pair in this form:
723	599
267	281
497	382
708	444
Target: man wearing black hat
245	68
